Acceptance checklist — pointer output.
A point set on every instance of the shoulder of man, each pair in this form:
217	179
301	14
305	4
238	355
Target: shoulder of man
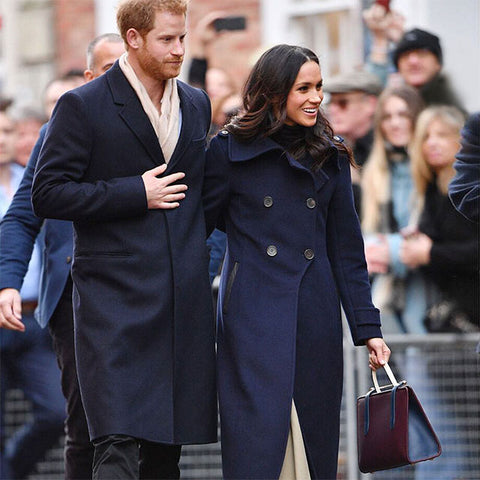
197	95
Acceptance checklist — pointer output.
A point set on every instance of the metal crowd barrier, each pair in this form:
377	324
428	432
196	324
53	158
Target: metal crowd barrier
443	369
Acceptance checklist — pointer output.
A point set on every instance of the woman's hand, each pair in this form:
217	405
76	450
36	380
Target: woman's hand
378	353
415	250
377	254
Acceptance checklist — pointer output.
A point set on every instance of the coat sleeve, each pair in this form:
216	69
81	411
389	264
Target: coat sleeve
464	190
346	253
216	182
19	228
59	189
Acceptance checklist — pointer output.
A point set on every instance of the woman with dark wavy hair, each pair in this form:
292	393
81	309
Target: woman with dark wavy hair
278	182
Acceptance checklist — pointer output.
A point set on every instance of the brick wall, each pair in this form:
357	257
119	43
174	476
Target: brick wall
232	51
75	28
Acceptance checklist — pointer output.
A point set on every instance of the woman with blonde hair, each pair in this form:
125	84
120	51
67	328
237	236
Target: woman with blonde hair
446	244
444	247
387	188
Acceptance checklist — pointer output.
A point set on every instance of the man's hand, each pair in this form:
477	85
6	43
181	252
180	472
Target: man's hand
11	309
160	191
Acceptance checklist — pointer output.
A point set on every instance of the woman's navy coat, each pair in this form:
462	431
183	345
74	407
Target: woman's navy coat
294	249
144	327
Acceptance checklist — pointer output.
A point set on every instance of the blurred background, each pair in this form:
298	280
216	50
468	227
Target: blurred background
43	38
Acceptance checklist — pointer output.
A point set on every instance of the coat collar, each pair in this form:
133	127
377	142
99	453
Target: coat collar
131	111
243	151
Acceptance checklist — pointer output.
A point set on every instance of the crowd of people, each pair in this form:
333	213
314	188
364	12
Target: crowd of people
351	200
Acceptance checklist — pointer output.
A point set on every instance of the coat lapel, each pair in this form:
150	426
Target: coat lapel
132	113
189	112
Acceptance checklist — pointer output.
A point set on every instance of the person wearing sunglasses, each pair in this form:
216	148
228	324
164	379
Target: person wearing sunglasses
350	109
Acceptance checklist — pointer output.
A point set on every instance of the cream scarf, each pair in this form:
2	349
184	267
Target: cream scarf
166	124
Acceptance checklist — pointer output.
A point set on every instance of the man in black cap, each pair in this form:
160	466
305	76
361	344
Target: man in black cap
417	55
418	58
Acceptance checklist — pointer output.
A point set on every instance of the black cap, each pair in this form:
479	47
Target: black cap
417	39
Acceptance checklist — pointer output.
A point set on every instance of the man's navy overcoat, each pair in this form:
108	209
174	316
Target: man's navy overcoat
294	249
144	327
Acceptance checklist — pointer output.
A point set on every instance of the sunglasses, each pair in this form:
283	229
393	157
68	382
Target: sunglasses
343	102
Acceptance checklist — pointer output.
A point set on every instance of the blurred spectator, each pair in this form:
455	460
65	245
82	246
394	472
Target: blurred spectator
202	37
27	359
226	102
56	88
464	189
8	139
445	247
218	83
223	109
417	55
446	244
102	52
350	109
387	188
203	72
29	121
19	229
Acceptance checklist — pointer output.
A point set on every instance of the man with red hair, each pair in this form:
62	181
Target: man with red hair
113	160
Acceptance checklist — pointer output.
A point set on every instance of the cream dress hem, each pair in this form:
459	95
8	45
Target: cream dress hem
295	465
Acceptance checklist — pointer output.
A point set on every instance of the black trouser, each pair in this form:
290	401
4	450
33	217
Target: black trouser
78	448
127	458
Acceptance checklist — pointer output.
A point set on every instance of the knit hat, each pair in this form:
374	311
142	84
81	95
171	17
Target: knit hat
417	39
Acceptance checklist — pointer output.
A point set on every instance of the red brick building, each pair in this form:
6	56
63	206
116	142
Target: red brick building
43	38
75	26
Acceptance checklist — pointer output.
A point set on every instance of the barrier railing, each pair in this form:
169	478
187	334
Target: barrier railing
443	369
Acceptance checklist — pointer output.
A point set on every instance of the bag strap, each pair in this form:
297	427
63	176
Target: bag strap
395	384
390	374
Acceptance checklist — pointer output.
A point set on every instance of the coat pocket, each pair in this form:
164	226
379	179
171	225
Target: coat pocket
228	291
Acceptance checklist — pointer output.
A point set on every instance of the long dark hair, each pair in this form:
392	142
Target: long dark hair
265	100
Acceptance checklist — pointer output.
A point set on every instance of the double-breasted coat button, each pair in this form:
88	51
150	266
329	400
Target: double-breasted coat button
268	201
311	203
309	254
271	250
69	259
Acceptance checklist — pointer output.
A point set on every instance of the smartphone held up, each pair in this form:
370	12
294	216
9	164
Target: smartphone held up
230	23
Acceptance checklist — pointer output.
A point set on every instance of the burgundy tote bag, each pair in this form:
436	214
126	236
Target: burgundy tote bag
392	427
